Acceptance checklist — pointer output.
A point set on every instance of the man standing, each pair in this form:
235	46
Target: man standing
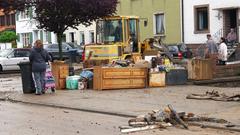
118	32
211	46
232	37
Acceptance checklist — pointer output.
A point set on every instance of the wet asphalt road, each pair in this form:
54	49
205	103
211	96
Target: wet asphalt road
10	82
22	119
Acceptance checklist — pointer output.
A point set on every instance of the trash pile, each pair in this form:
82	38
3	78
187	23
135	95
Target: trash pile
214	95
163	64
161	119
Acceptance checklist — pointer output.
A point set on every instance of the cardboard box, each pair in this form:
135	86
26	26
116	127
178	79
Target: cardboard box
157	79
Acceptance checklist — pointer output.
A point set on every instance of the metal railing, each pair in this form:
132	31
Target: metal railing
217	35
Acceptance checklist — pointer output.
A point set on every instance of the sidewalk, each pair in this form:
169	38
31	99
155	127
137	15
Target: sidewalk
137	102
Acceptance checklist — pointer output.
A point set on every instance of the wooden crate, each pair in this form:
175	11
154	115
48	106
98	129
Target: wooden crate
60	72
92	63
119	78
63	71
200	69
157	79
61	84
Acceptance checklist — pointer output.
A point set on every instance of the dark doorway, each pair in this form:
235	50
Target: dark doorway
230	21
72	37
233	18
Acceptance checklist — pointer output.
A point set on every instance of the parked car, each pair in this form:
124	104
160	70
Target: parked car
179	51
9	58
53	50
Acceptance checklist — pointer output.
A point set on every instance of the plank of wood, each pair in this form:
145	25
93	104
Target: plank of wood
237	129
130	130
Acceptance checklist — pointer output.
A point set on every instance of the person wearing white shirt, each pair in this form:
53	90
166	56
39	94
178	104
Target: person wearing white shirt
222	52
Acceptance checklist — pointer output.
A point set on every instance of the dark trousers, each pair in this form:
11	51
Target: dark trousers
220	62
39	80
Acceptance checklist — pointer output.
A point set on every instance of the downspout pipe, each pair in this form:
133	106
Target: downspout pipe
183	36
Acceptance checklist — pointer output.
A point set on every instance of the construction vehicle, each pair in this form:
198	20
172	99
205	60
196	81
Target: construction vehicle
117	38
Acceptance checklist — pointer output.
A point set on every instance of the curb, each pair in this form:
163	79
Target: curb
219	80
70	108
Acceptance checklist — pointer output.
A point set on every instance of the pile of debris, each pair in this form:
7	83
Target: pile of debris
214	95
168	117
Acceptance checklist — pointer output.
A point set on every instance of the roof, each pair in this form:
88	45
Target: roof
2	13
11	27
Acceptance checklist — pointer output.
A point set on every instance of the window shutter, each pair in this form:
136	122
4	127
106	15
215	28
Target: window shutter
17	15
30	12
41	35
49	37
18	37
31	37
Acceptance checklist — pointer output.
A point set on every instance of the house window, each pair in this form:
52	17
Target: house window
26	39
91	37
201	19
24	14
13	21
2	21
71	37
82	38
8	20
159	24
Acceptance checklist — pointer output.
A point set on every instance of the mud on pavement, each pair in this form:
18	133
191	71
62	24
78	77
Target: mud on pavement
10	82
21	119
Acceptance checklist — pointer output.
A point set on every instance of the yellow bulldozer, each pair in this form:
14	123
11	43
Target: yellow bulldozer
118	38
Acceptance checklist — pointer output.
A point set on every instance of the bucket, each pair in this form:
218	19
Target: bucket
87	74
72	82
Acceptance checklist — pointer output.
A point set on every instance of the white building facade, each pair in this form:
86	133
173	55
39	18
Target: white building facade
83	35
214	17
27	31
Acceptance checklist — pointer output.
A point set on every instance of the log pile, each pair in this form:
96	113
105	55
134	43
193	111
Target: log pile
168	117
214	95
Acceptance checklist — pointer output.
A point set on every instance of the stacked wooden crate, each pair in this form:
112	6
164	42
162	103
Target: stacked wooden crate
200	69
119	78
60	72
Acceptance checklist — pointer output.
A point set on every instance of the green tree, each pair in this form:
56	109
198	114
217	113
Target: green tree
7	37
59	15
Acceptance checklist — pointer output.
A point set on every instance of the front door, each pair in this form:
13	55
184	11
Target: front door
230	21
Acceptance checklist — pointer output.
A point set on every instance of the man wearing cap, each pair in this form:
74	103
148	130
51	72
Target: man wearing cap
211	45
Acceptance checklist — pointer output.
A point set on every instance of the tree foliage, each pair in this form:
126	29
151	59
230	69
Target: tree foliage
11	5
7	36
59	15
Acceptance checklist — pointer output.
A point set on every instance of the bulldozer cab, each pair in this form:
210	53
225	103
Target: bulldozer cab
117	38
119	30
